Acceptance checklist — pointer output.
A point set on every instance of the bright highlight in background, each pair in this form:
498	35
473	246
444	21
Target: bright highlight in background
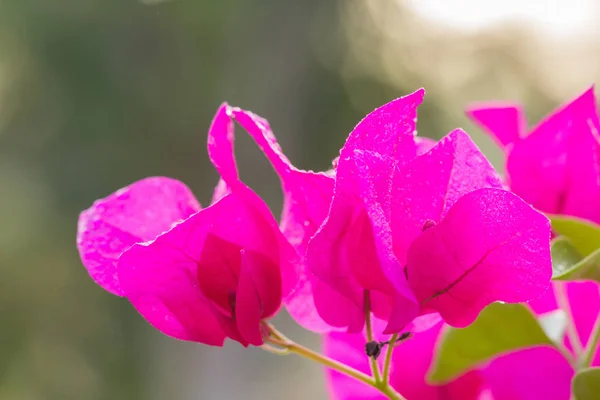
556	17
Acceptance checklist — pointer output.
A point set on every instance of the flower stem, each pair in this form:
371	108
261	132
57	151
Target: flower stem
388	360
562	298
372	361
278	339
284	343
391	393
590	351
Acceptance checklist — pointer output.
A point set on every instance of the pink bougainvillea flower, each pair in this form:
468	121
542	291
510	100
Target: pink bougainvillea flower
306	199
345	242
555	167
410	361
425	232
532	373
195	274
543	372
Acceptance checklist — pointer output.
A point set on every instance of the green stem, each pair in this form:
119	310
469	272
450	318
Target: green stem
592	346
391	393
562	298
372	361
388	360
326	361
278	339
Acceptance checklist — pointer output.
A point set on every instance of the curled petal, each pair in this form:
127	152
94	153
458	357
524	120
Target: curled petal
306	199
220	150
504	122
136	213
306	195
491	246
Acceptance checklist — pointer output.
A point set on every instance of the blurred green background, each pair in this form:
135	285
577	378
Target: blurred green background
95	94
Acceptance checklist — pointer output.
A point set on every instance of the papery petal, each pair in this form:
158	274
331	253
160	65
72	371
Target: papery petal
301	304
363	256
178	280
386	134
218	270
221	154
160	280
504	122
537	373
380	262
429	185
490	246
307	196
422	191
337	309
136	213
556	168
266	280
258	295
373	261
424	322
259	129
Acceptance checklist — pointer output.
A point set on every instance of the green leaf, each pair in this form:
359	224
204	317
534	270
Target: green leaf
584	235
499	329
586	384
586	269
564	255
569	265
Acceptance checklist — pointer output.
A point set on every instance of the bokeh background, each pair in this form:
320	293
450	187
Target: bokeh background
95	94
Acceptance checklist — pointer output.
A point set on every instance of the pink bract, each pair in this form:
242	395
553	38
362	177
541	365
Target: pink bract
395	218
556	166
384	140
539	372
306	199
490	246
413	223
410	362
134	214
200	275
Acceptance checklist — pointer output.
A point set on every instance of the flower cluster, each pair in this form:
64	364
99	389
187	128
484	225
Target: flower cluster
556	168
402	239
